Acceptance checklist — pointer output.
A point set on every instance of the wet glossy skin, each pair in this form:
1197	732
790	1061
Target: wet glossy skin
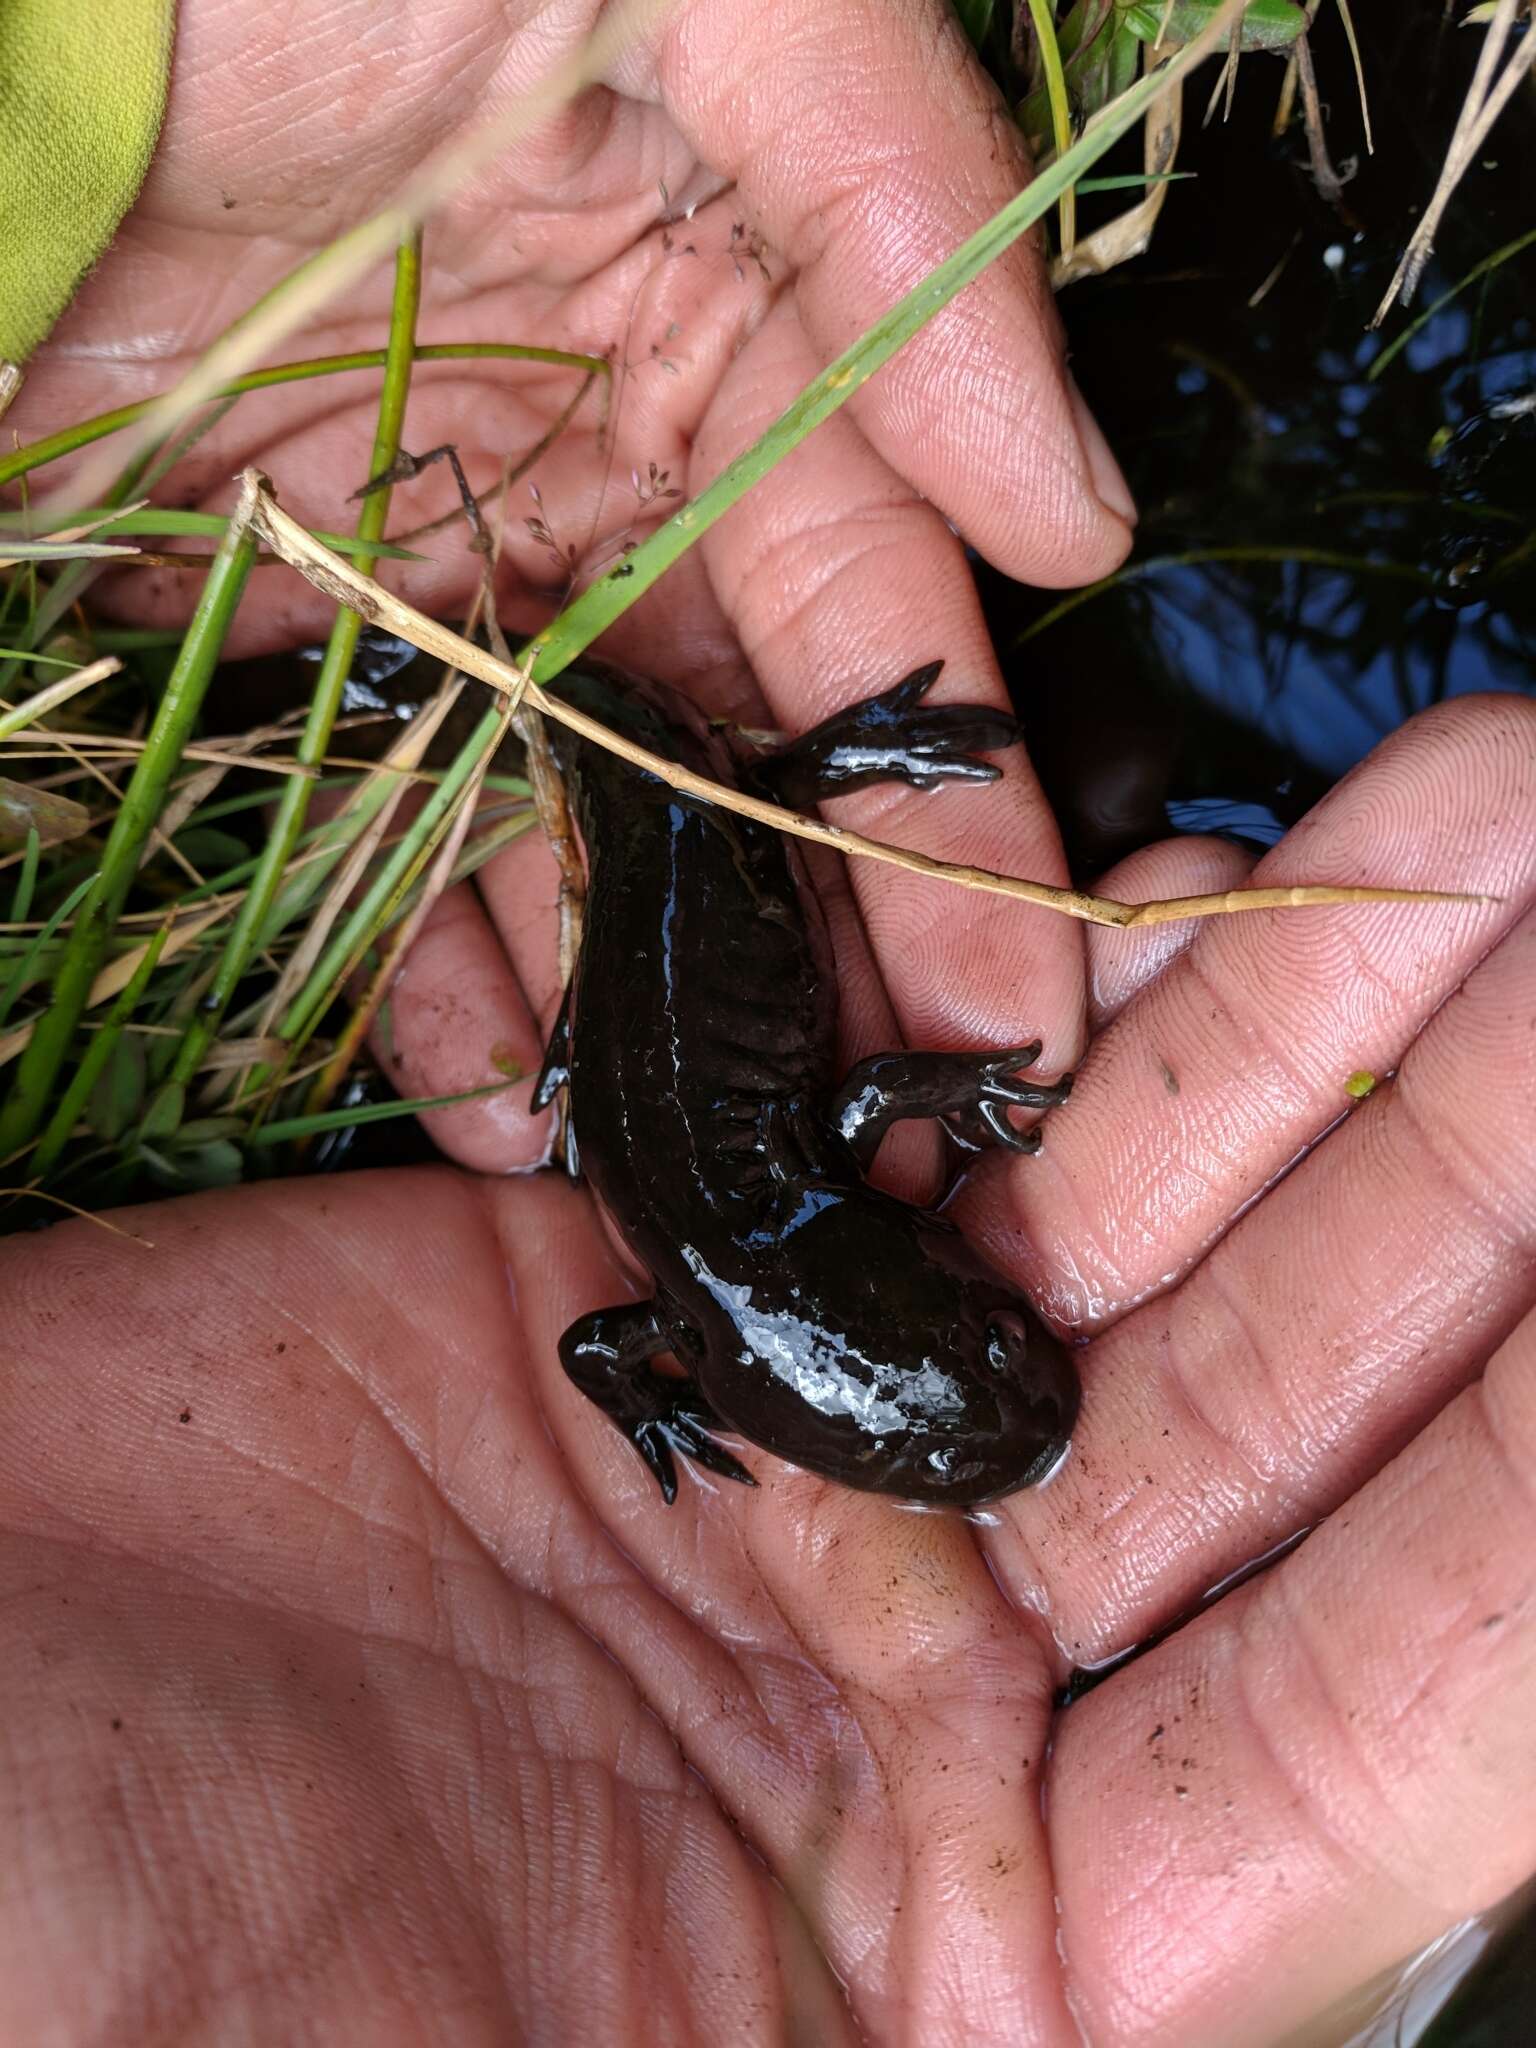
841	1329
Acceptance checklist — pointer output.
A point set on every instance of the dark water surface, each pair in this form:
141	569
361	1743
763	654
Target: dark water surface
1228	695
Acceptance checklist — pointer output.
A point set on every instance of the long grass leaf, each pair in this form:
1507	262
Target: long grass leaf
37	453
313	1126
244	938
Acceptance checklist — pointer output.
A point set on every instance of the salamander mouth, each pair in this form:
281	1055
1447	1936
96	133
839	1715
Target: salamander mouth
1029	1445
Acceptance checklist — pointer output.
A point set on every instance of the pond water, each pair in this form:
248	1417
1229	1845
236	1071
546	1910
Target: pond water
1376	532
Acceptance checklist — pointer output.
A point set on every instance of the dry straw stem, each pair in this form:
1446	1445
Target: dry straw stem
338	580
61	544
343	264
17	718
87	746
1487	97
392	775
85	1215
1130	233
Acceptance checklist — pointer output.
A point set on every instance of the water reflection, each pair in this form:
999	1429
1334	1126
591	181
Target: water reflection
1336	531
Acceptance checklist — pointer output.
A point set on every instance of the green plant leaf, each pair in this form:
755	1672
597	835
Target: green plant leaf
26	881
210	850
27	813
99	1054
218	1164
976	18
21	973
366	1113
118	1095
1120	63
162	1119
1133	181
203	1130
1268	24
169	523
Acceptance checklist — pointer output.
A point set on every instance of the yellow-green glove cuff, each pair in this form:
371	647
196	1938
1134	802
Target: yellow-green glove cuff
82	92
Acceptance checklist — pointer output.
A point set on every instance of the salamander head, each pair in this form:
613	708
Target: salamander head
1014	1425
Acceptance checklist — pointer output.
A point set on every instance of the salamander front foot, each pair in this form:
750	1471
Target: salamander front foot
894	737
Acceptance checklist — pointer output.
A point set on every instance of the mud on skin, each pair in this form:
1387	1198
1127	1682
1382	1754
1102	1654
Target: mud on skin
845	1331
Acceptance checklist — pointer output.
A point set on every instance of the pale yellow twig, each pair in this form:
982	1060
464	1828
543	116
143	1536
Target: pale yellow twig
85	1215
1487	97
18	717
344	584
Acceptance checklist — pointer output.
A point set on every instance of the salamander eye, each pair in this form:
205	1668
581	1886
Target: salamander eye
1007	1341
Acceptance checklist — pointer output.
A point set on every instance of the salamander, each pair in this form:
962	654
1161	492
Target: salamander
821	1319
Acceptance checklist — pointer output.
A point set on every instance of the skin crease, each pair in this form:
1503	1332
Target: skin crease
352	1681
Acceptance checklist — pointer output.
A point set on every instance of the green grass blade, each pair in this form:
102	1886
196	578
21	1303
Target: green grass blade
20	974
1279	552
80	435
143	800
335	666
170	521
1044	20
1399	342
322	1120
26	881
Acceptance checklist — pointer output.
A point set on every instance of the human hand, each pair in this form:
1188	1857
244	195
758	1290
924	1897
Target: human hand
857	146
356	1685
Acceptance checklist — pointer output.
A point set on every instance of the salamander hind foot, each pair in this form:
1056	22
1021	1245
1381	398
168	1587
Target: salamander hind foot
971	1091
607	1355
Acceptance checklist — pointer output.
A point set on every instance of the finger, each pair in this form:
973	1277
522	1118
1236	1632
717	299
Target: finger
1121	964
839	582
844	1675
456	1019
1329	1769
1318	1337
1236	1058
869	144
520	890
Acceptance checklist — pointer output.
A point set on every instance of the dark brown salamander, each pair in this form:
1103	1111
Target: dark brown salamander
837	1327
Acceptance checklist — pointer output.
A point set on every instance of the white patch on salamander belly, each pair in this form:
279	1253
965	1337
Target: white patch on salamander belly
825	1368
